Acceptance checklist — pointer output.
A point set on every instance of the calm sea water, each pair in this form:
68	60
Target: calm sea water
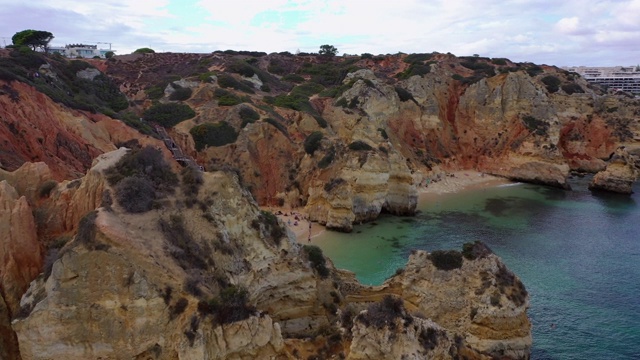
577	253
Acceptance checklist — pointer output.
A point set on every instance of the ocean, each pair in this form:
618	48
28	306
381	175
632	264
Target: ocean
577	253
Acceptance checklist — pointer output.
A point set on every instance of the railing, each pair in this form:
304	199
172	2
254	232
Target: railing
176	152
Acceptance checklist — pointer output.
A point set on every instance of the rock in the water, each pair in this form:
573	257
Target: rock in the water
619	175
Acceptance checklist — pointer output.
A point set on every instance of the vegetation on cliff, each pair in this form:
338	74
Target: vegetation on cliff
59	79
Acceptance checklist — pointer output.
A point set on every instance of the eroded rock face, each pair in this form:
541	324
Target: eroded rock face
412	339
20	259
619	175
36	129
365	186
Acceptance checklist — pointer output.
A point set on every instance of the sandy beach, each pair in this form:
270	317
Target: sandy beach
451	182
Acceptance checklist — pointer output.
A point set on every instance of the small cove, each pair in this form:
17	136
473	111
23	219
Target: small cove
578	254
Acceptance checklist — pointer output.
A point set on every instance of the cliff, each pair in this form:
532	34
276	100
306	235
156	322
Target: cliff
206	274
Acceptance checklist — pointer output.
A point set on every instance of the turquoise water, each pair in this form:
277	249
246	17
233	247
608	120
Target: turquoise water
577	253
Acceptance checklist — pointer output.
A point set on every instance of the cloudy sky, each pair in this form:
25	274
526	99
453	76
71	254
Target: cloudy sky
567	32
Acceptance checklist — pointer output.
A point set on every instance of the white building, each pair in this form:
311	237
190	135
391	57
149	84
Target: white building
625	78
79	50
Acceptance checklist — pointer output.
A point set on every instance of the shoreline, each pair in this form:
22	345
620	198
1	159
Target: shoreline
445	183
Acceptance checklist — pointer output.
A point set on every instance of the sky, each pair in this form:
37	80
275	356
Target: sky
559	32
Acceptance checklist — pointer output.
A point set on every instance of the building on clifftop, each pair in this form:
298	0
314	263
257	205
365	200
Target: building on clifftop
624	78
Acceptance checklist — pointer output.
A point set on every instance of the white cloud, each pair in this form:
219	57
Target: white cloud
567	32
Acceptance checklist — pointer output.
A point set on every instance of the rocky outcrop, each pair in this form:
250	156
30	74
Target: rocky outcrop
411	338
480	301
20	259
20	262
619	176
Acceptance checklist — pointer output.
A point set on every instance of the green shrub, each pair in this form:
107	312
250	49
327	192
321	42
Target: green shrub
327	159
385	313
178	308
321	121
307	89
342	102
551	82
294	78
317	260
404	94
270	221
226	98
154	92
87	229
144	163
312	142
144	50
533	70
132	120
232	305
475	250
499	61
446	260
191	180
329	73
181	94
242	68
228	81
169	115
534	125
414	69
333	183
572	88
248	115
366	56
417	58
135	194
46	188
213	134
277	125
360	145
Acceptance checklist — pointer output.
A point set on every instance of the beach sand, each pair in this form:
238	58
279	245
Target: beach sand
447	183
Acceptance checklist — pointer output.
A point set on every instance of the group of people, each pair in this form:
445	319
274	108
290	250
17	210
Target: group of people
297	217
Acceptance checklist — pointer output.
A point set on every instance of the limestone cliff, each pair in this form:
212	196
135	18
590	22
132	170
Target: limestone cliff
204	274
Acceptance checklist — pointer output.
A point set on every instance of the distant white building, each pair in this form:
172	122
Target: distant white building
625	78
79	50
